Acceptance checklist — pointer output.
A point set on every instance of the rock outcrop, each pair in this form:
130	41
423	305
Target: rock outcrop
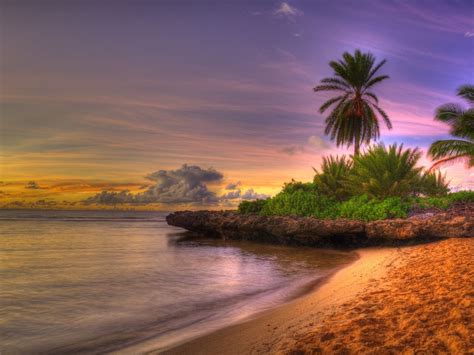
311	231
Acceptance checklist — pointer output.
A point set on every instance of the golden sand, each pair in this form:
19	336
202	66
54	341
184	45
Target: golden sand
409	300
423	305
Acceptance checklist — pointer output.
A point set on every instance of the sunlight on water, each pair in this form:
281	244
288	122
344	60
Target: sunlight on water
74	281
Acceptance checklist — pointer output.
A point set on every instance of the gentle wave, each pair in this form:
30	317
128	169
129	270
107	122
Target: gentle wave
95	281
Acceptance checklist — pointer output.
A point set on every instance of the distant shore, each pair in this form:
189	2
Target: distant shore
391	300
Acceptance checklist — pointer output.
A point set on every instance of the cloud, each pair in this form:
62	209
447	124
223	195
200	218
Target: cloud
32	185
313	142
317	143
187	184
232	185
111	198
293	149
184	185
250	194
45	203
288	11
232	195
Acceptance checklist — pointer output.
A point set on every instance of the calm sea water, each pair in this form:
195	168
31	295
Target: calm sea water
98	281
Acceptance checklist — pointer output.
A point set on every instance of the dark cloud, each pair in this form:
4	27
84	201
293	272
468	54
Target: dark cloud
14	204
233	185
111	198
187	184
184	185
45	203
232	195
32	185
250	194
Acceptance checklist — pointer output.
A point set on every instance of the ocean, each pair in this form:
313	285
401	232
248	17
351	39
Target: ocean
99	281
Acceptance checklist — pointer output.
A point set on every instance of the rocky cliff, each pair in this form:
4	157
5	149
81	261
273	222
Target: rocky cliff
315	232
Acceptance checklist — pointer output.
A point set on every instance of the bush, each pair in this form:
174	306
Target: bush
294	186
434	184
256	206
365	209
300	203
304	203
446	201
332	181
386	172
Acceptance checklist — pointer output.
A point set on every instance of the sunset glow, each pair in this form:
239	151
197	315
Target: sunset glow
96	97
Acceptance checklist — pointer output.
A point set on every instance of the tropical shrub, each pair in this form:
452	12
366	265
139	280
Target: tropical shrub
366	209
433	183
332	180
256	206
301	203
385	172
293	186
446	201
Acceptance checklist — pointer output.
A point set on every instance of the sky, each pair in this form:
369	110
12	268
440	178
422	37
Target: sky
176	104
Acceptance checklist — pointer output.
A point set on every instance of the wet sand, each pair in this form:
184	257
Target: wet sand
391	300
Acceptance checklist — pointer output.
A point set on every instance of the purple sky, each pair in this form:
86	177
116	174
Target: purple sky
98	94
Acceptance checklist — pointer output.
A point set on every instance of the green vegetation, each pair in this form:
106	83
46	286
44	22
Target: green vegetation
434	184
354	119
462	126
301	203
383	182
251	206
445	202
381	173
332	181
366	209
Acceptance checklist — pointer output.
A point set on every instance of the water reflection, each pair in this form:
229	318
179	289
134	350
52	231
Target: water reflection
88	281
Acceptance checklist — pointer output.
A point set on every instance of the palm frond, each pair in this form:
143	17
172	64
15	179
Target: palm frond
376	68
442	149
384	115
373	96
448	113
467	93
332	101
376	80
336	81
329	88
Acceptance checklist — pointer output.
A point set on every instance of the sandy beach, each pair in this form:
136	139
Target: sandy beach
416	299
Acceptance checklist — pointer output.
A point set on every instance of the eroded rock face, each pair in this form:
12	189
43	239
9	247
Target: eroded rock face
311	231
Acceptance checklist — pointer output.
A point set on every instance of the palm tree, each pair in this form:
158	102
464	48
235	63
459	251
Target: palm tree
354	117
462	126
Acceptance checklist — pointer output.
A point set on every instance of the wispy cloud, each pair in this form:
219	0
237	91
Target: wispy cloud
315	143
287	11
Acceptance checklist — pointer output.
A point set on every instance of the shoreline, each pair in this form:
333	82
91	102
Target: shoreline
256	334
314	232
154	346
390	300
